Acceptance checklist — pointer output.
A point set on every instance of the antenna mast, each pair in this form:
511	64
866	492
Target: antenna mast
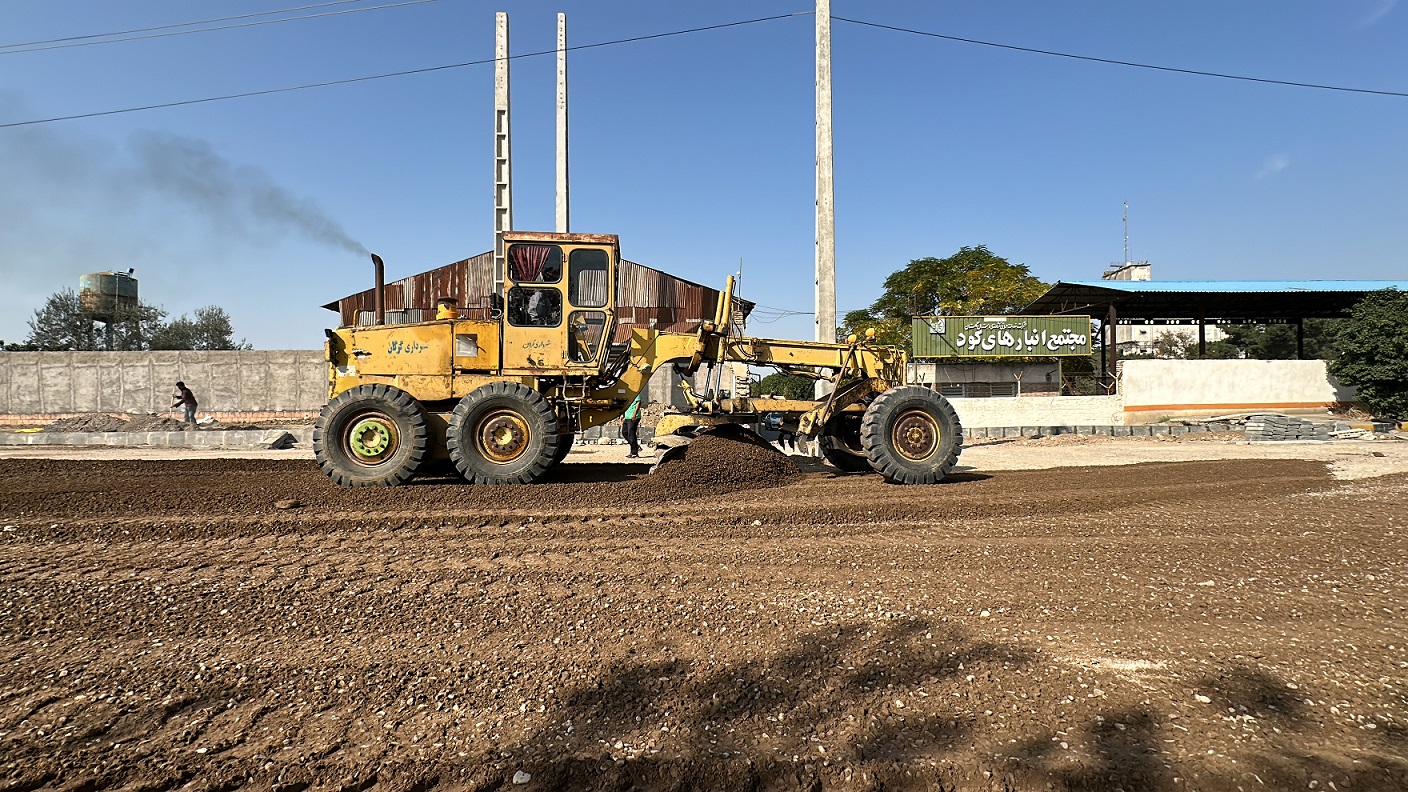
1126	232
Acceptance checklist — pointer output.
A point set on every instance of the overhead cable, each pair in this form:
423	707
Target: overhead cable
176	25
1113	62
169	34
407	72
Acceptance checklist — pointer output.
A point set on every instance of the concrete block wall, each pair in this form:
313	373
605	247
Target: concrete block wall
247	381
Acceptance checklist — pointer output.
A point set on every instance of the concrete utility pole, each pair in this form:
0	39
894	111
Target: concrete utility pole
562	203
503	165
825	188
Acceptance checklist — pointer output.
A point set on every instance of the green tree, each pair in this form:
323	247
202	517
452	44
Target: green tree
973	281
61	324
788	386
1373	352
1278	342
1169	344
210	329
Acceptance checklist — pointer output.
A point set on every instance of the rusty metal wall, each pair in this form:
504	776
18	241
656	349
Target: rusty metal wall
469	281
646	297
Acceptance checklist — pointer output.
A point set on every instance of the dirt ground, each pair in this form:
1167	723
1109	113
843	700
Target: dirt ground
1214	625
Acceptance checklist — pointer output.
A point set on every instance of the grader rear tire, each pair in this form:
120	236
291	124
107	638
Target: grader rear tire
371	435
503	433
911	435
840	444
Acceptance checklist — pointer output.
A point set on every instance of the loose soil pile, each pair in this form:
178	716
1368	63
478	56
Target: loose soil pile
1205	625
728	459
99	422
155	422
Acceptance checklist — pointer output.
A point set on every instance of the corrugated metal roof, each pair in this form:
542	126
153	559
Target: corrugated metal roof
1256	286
646	297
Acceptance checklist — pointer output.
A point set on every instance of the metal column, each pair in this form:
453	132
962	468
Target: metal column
1105	331
1114	351
503	165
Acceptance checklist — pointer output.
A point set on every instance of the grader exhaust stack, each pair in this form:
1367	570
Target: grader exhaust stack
380	295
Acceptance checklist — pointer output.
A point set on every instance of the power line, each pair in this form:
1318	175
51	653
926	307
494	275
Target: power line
176	25
407	72
633	39
213	29
1113	62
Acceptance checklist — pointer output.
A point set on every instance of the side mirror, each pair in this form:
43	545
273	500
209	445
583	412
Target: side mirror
496	305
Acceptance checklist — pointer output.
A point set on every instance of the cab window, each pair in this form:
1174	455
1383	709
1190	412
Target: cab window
529	307
585	329
589	278
535	263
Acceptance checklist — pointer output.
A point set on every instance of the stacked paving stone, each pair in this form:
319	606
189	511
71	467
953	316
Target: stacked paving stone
1270	428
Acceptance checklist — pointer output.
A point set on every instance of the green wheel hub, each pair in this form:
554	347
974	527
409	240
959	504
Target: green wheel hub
372	438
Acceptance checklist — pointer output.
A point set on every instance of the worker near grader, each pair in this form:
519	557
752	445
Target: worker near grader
182	397
630	427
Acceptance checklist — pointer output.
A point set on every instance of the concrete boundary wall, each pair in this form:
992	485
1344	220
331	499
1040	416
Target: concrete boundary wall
1044	411
1154	389
225	383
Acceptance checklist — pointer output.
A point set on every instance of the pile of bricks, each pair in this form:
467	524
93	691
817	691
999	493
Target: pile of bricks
1273	428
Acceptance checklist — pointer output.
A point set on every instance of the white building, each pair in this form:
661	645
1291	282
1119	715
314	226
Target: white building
1138	339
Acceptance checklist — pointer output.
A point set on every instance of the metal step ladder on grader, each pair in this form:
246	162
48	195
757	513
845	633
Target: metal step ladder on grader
503	398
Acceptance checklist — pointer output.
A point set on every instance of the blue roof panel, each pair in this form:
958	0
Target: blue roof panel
1224	287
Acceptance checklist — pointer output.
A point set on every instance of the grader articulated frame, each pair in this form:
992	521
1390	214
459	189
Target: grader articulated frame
503	398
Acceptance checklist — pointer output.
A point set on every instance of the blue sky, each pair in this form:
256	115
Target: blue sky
698	149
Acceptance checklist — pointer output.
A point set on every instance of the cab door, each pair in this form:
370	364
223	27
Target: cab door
535	330
591	307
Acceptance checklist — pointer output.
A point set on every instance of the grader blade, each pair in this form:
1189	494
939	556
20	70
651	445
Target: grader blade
676	444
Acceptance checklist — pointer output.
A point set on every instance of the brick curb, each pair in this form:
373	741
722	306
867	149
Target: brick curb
214	438
1144	430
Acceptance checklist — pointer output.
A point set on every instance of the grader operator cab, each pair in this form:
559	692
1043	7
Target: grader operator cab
503	398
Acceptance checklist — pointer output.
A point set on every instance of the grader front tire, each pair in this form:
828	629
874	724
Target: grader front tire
371	435
911	435
564	446
503	433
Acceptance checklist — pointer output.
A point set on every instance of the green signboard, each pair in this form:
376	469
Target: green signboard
1000	336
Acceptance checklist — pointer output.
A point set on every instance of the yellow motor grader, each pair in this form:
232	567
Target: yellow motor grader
503	398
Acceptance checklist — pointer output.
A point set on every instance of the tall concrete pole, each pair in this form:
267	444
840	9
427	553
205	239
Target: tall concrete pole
825	188
503	166
562	201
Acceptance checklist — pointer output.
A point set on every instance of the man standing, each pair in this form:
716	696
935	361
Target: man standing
182	396
631	425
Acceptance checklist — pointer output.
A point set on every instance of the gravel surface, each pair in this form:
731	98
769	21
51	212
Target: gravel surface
1197	625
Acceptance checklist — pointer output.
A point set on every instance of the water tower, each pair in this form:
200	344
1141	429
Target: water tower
108	297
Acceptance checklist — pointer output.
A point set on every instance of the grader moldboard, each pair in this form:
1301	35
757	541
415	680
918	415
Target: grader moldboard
504	398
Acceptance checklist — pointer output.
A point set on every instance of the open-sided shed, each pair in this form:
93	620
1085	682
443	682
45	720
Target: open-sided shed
1205	302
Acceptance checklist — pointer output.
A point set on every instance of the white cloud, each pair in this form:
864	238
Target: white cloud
1274	164
1380	9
